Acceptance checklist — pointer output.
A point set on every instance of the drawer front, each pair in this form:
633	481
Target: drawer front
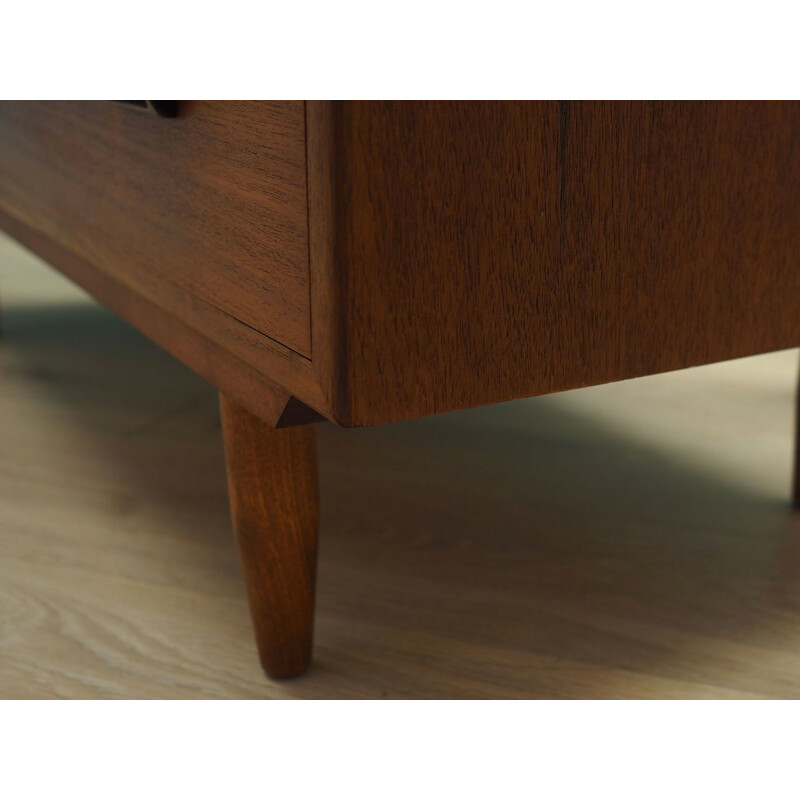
212	203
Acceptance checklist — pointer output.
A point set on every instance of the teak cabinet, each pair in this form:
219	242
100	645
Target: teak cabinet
368	262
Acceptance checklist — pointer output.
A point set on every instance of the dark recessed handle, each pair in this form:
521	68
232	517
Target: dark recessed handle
163	108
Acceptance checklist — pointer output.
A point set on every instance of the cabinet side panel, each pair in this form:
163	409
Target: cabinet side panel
499	250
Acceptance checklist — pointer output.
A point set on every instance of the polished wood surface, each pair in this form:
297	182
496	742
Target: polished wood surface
633	540
437	255
490	251
204	215
272	483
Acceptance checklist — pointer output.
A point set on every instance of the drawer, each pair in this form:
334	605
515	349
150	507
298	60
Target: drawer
212	203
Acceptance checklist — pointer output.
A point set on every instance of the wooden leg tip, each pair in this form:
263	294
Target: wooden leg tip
284	673
281	659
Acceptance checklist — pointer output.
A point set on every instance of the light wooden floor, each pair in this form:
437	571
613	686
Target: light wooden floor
627	541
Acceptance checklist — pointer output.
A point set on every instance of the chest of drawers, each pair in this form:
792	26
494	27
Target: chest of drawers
370	262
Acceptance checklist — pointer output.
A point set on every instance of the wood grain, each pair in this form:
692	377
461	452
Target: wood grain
328	293
489	251
440	255
209	205
272	483
456	560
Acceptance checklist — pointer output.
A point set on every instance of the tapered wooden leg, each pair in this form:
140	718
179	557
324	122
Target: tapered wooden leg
796	476
272	481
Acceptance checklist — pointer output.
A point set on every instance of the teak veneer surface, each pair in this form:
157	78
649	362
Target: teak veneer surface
210	205
438	255
490	251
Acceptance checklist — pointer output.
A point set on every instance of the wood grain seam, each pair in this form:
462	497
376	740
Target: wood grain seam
327	278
